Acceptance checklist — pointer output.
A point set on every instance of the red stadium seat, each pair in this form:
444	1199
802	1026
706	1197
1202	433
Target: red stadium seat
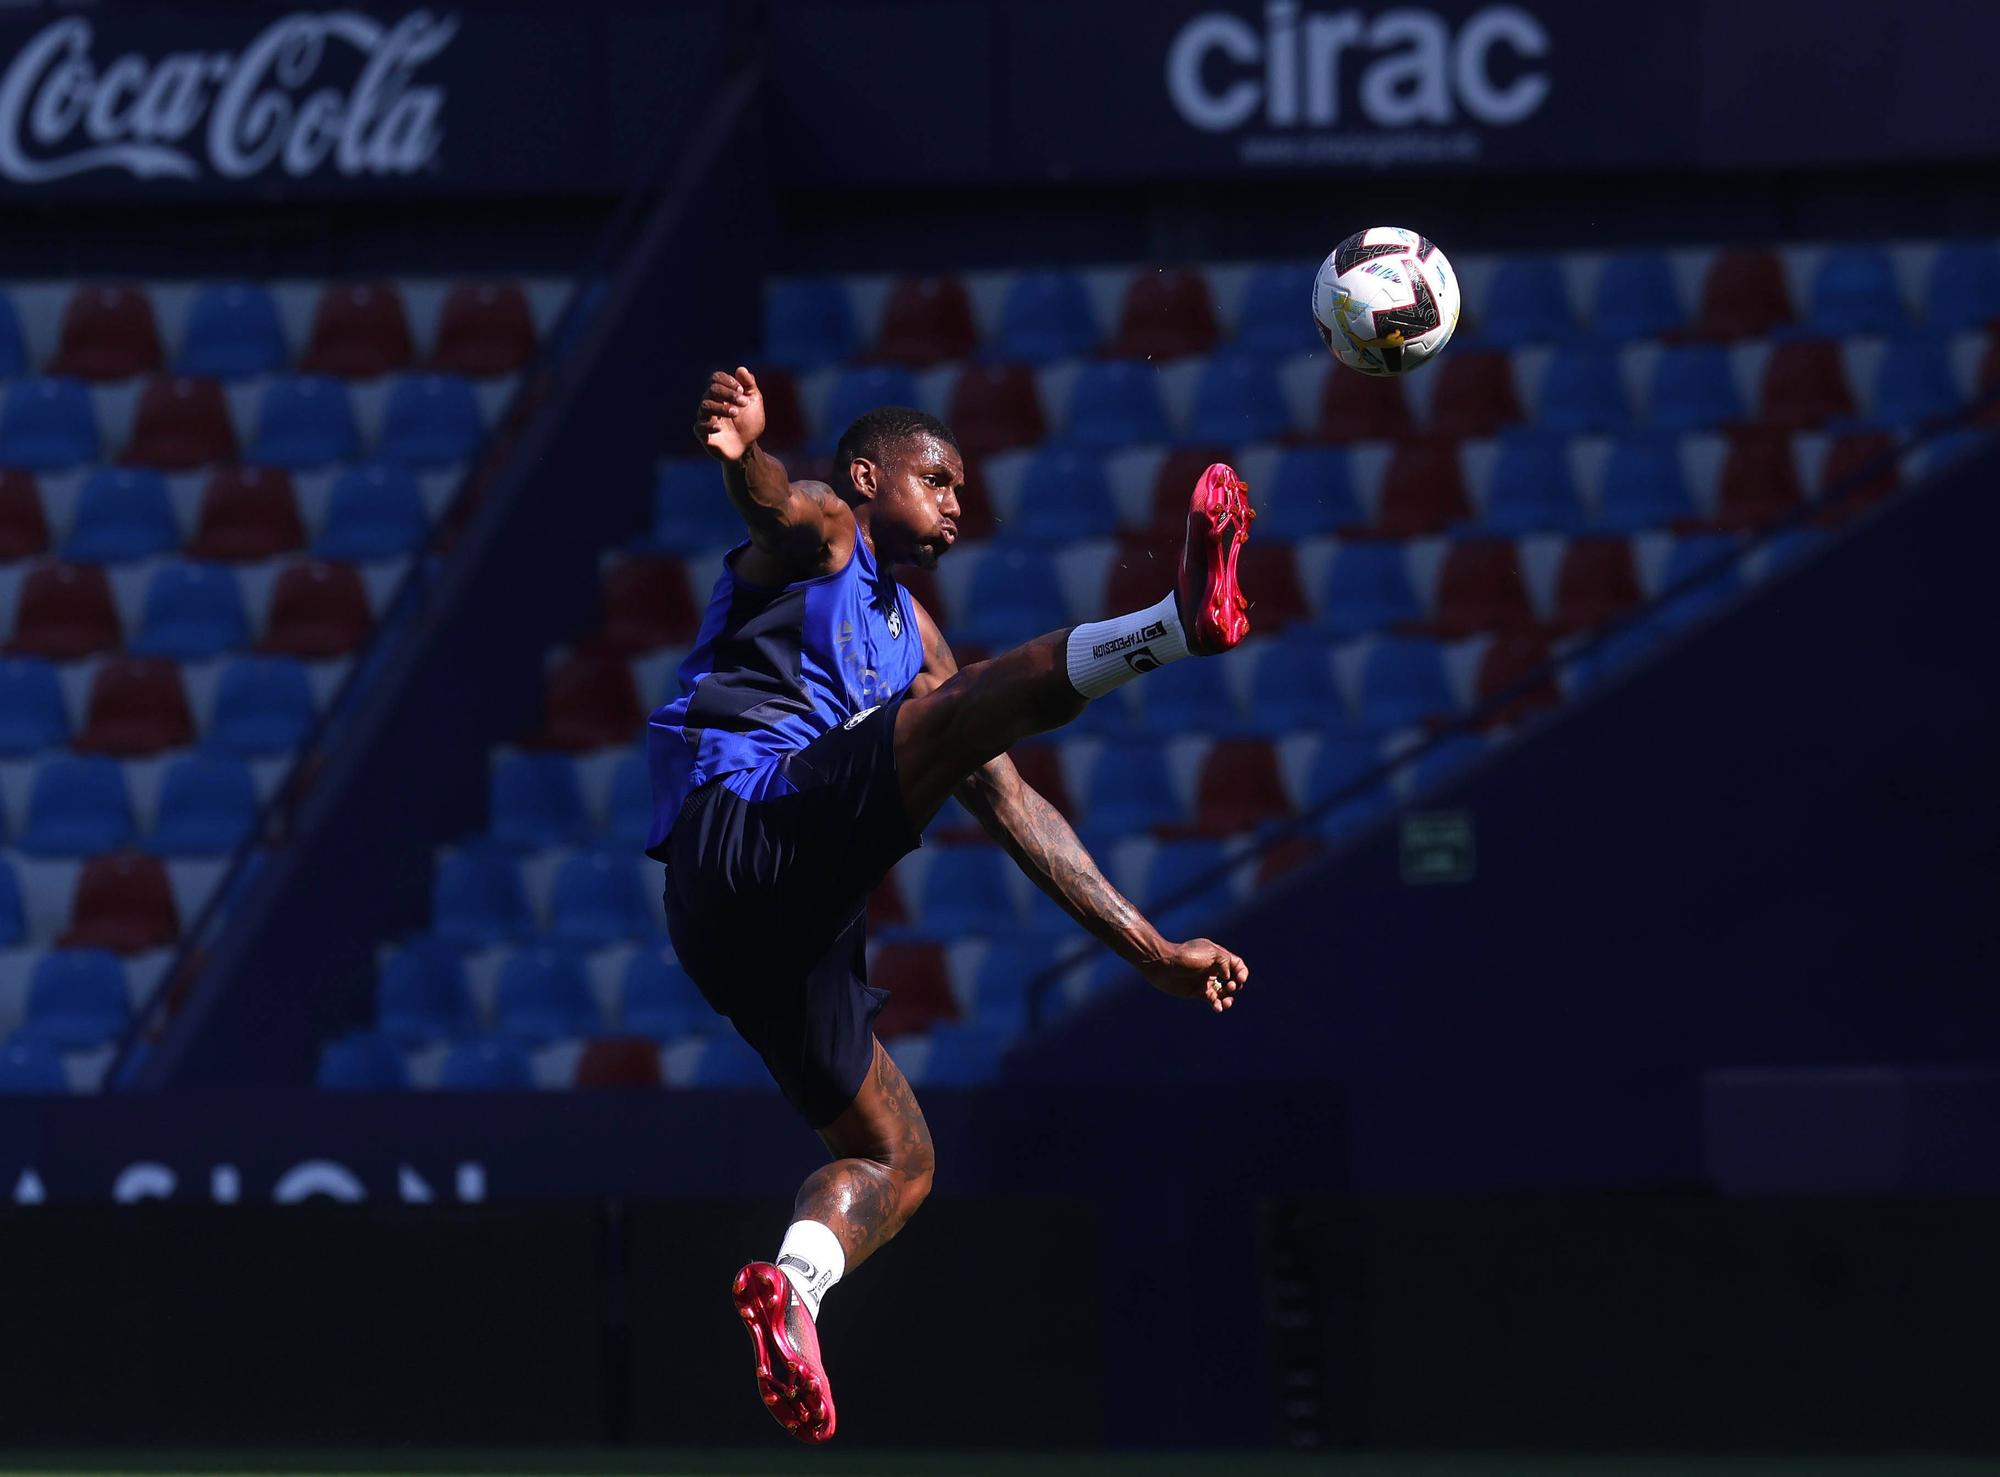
122	903
108	333
886	908
1508	660
619	1061
925	321
1269	574
593	703
647	604
1596	580
137	706
1759	482
1041	767
785	426
919	988
1479	589
1744	296
247	513
1423	490
359	331
180	423
1846	456
1174	484
1239	788
65	612
1805	385
484	328
1142	570
1168	314
995	407
24	526
975	508
1475	394
1362	407
318	609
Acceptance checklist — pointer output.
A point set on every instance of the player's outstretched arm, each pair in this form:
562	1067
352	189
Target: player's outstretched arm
803	528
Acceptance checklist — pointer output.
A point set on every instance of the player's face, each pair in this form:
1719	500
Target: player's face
915	508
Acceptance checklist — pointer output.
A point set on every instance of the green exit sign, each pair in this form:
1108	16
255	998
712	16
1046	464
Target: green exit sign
1437	847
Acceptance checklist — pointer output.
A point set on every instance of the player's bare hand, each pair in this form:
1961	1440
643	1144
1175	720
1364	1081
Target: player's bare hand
731	416
1199	969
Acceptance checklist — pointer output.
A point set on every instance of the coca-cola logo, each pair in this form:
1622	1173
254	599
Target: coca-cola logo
270	106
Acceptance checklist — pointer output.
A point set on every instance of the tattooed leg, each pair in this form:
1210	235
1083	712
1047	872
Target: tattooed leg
882	1166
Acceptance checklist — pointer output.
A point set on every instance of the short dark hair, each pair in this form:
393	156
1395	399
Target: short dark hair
873	436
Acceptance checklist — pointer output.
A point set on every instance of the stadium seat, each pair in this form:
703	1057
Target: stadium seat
1596	581
962	1055
1479	588
1444	759
1013	594
1692	389
1645	485
1582	391
1167	314
13	914
618	1062
1175	866
1367	589
180	423
31	1068
1913	384
208	807
232	333
1237	399
63	612
592	703
1759	481
629	805
1341	760
359	331
1128	791
535	801
785	426
1423	490
1271	321
1530	489
24	524
317	610
691	513
727	1061
808	323
32	714
1805	385
192	610
1526	303
263	705
1704	564
995	407
47	424
304	421
1115	404
422	994
1040	766
247	513
919	988
1854	291
542	994
1865	459
373	512
1292	686
430	420
1635	298
925	321
122	903
1474	394
1403	682
647	604
484	329
659	1000
857	391
1239	787
361	1061
107	333
1190	696
13	348
137	706
76	999
1063	497
1045	316
597	899
486	1065
999	996
1362	407
1310	493
477	898
1744	295
1962	289
965	890
1270	574
121	514
1507	676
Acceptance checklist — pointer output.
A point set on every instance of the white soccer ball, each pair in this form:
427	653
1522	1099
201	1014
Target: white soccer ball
1386	301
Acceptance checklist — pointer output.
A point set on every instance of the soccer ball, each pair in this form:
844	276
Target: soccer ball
1385	301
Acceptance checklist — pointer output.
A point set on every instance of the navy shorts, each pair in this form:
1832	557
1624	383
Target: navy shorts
767	906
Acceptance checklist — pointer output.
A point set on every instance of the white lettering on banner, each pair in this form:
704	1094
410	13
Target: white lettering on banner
1421	73
260	113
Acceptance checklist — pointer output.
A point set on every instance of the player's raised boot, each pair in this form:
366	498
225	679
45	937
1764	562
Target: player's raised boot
1214	614
790	1377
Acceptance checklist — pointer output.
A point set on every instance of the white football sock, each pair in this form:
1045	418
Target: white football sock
811	1257
1108	654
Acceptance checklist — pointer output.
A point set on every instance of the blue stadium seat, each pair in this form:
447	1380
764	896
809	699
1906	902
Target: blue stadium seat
1963	288
691	513
1357	813
421	992
430	420
1116	403
543	994
1526	303
78	806
1292	686
1273	320
263	705
1913	383
1403	682
1311	493
1616	651
1045	316
1444	759
76	998
1582	390
628	814
1175	865
1237	399
208	806
232	333
488	1064
1063	496
1001	981
658	1000
1636	298
1367	589
32	715
1013	594
728	1061
304	420
962	1055
477	898
1340	760
121	513
13	348
1531	489
1854	291
361	1061
1127	791
48	423
373	512
1188	697
192	610
965	891
1645	485
1692	389
13	916
31	1068
808	323
535	800
858	391
597	899
1707	558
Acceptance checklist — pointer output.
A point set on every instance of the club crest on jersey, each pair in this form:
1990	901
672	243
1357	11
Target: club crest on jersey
895	622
